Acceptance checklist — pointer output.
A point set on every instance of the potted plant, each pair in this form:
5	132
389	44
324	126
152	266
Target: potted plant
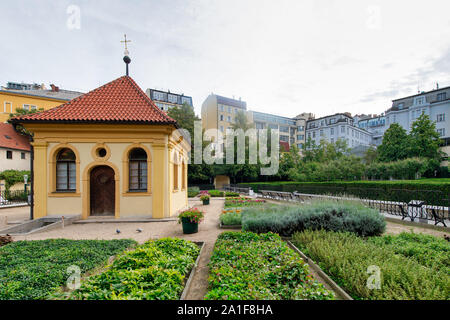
190	219
205	199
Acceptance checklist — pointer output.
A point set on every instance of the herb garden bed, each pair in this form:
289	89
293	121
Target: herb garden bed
411	267
158	269
248	266
36	269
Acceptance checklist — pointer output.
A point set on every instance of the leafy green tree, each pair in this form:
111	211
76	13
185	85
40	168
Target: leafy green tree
424	139
395	145
185	117
241	121
22	112
371	155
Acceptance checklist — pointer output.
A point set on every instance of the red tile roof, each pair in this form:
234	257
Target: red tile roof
284	146
120	100
11	139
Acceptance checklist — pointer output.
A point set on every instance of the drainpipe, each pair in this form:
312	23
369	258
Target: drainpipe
32	181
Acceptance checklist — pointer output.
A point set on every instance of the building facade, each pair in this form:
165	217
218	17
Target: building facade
219	113
111	152
31	97
375	124
166	99
337	126
14	149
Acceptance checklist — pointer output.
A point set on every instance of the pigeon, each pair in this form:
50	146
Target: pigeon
446	237
117	231
139	230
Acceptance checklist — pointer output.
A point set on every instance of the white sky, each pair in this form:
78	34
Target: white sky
282	57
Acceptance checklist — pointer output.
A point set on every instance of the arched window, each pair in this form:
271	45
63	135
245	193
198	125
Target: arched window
66	173
138	170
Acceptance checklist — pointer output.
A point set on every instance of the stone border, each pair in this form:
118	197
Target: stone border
32	226
187	286
341	293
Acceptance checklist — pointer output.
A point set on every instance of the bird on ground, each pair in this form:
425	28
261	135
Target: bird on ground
139	230
117	231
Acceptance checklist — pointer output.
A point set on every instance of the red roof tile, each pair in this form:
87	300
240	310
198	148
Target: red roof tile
11	139
284	146
120	100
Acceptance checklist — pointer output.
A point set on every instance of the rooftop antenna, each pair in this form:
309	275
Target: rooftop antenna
437	85
126	57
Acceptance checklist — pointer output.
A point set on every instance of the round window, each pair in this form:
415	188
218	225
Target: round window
101	152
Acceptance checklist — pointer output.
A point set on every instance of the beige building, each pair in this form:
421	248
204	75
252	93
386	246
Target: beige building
219	113
110	152
14	149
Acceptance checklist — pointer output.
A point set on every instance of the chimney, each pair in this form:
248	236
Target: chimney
54	88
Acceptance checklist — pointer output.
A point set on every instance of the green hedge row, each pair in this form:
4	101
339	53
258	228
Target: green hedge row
353	262
323	215
433	191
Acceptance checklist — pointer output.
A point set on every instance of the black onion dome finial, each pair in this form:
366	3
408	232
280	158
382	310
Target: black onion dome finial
126	57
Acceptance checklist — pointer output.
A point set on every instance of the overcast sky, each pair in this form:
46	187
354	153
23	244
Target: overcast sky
282	57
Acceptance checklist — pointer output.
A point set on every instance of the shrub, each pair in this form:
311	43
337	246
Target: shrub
154	270
216	193
35	269
327	215
231	194
231	217
247	266
193	192
243	202
346	258
433	191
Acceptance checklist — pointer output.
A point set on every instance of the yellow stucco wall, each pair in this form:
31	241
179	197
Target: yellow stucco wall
10	101
159	141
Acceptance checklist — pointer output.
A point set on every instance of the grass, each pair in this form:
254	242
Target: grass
35	269
247	266
349	259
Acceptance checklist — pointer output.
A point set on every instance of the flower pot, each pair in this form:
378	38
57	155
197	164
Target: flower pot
188	226
205	202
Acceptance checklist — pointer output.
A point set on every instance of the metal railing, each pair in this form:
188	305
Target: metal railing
14	197
413	204
235	188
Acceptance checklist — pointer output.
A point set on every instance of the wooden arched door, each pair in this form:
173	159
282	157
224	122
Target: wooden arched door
102	191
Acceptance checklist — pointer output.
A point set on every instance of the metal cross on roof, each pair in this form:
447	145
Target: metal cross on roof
125	41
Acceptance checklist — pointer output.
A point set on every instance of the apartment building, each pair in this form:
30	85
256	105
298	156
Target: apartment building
166	99
219	112
434	103
337	126
32	97
375	124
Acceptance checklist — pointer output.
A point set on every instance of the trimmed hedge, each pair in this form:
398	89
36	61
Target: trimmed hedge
347	258
433	191
247	266
326	215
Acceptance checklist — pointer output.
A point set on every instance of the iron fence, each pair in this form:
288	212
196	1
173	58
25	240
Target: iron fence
423	205
8	197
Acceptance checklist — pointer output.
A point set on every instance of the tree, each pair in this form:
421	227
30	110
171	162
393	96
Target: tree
395	144
241	121
424	139
371	155
185	117
22	112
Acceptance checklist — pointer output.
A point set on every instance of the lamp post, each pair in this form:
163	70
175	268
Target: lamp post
25	180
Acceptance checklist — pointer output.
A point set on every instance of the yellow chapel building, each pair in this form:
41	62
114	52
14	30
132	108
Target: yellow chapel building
109	152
